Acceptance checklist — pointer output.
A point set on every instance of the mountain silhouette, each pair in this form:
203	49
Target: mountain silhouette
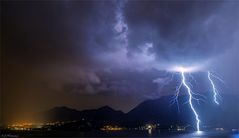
157	111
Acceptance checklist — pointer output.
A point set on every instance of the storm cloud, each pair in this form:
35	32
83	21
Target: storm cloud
105	48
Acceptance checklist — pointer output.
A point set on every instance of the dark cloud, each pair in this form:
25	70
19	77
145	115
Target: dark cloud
46	31
82	53
183	31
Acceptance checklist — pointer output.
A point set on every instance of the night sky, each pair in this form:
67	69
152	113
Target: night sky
87	54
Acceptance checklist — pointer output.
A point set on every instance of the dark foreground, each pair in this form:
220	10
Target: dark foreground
125	134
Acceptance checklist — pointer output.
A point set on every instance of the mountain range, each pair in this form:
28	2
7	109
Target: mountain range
157	111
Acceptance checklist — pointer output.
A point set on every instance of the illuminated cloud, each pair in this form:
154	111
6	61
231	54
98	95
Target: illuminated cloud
113	47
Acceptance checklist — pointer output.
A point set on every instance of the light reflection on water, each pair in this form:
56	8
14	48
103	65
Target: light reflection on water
155	134
235	136
133	134
203	134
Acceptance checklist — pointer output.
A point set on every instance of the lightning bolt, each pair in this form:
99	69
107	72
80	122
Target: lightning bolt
190	100
186	82
214	89
175	99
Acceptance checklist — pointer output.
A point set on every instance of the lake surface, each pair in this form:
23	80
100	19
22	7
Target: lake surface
157	134
123	134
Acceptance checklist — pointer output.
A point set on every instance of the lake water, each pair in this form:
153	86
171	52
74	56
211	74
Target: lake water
173	135
124	134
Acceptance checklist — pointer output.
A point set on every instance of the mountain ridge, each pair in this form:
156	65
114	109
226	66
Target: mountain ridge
156	111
